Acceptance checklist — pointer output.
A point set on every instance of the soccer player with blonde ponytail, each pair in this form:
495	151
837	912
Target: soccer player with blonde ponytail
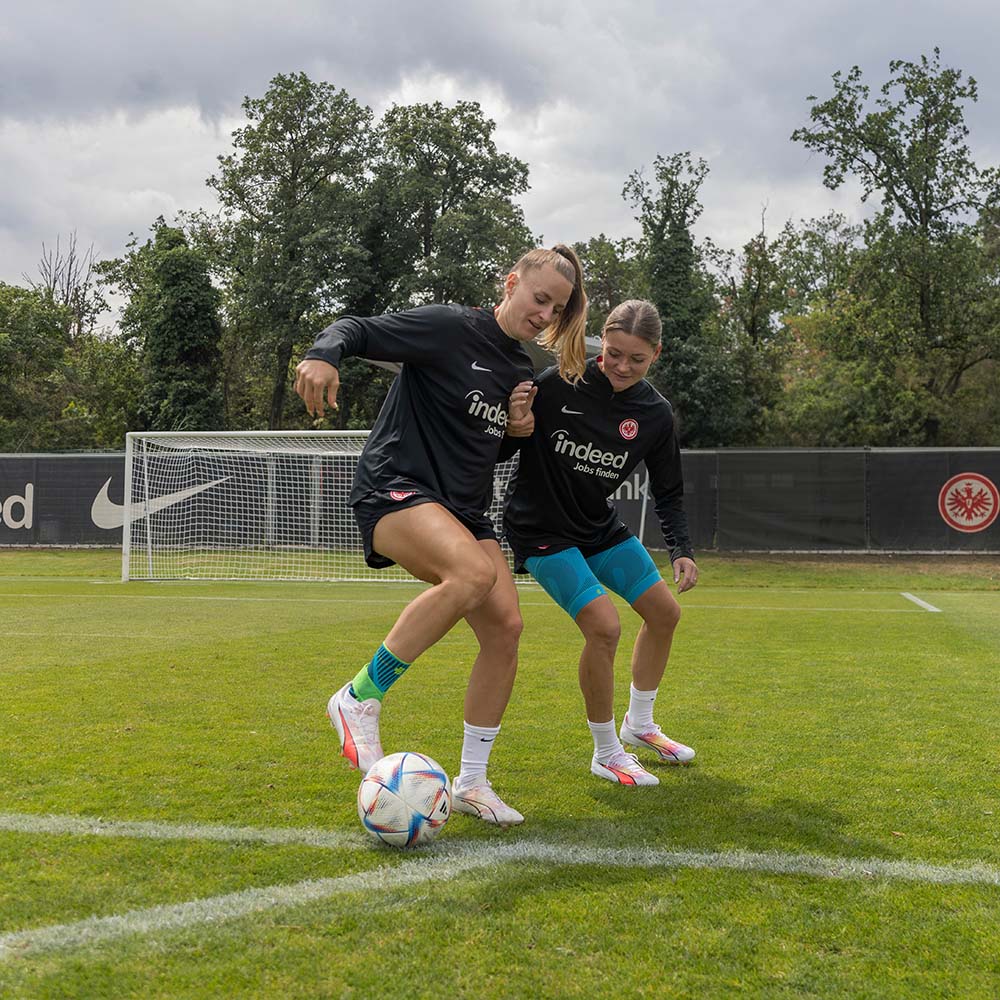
425	480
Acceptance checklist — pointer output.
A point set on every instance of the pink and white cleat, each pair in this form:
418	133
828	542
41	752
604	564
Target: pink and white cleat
623	768
652	738
483	802
356	723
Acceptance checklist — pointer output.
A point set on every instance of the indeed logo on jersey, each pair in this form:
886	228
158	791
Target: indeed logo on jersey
495	415
589	457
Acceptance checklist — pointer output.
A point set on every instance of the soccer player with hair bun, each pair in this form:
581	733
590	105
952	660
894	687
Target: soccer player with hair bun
588	438
425	481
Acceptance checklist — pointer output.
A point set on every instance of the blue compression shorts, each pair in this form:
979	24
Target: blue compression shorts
573	581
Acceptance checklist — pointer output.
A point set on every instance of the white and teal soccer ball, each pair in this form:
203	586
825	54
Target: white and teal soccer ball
404	799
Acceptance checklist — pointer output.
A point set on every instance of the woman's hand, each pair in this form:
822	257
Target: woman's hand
520	419
313	380
685	574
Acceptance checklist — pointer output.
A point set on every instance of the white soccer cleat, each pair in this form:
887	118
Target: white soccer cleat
623	768
356	723
652	738
483	802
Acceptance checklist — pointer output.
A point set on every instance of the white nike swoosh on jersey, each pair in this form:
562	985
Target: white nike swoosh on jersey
476	367
105	513
576	413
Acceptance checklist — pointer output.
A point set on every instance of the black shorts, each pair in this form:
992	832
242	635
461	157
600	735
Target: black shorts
372	508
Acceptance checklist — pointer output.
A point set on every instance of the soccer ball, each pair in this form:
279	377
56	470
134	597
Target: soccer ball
404	799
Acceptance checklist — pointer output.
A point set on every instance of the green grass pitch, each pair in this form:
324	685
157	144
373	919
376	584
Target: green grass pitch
175	820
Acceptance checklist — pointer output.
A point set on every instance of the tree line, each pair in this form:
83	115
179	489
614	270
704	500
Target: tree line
830	333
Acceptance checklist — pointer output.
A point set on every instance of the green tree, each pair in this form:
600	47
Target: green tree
753	295
698	370
68	278
284	239
925	275
33	341
171	323
455	222
668	208
613	272
436	222
102	389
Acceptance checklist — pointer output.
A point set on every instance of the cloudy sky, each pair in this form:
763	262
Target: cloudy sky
112	113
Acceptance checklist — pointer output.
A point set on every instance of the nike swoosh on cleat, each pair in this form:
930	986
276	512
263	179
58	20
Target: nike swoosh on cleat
105	513
575	413
476	367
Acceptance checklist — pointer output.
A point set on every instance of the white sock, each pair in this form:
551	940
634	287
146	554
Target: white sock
477	743
640	708
606	742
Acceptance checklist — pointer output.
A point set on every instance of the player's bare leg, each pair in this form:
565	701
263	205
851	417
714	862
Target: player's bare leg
660	613
432	545
601	628
598	621
497	625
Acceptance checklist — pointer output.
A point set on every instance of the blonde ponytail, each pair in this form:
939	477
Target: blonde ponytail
566	337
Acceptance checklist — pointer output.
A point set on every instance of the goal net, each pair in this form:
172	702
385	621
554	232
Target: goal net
250	505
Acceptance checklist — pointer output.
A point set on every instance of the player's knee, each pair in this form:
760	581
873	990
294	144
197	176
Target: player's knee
665	620
602	630
672	616
512	626
475	582
503	633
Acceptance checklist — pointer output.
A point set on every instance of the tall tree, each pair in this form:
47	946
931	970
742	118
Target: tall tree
668	207
923	267
33	341
68	278
447	194
284	238
697	371
613	271
171	321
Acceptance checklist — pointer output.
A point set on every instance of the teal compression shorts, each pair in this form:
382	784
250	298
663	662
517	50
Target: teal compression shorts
573	581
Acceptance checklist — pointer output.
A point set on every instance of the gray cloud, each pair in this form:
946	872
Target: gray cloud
112	112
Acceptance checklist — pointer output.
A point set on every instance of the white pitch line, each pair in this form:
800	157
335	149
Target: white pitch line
215	909
443	861
524	604
778	607
82	826
923	604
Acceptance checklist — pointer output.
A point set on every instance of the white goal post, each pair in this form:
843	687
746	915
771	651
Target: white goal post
255	505
248	505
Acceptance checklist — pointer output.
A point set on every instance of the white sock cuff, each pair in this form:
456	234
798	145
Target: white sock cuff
471	730
643	695
602	727
606	742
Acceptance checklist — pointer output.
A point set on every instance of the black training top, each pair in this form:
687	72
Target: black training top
587	440
445	416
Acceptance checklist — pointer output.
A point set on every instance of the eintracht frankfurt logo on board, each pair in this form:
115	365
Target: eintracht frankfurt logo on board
628	429
969	502
401	494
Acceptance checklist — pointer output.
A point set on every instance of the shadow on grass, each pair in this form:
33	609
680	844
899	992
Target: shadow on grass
699	811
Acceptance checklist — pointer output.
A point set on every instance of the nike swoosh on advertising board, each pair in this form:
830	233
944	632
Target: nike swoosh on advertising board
105	513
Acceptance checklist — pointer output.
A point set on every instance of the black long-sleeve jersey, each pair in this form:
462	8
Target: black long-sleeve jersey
444	418
587	441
